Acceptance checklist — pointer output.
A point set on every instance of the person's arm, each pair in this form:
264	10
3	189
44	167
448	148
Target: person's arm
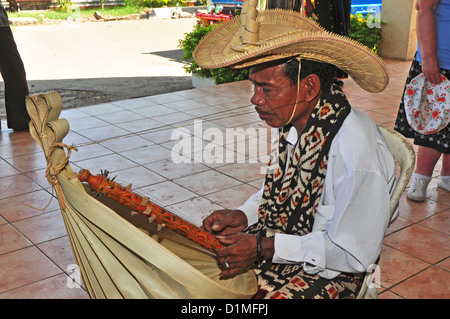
347	235
426	36
354	211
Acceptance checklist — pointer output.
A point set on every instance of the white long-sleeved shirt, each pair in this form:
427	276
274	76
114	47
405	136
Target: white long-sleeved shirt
354	209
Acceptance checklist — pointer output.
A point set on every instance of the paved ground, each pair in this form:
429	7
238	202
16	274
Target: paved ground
96	62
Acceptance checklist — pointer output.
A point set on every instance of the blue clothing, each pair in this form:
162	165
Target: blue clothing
442	15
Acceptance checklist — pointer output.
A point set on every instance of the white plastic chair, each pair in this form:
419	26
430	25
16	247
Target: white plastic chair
404	155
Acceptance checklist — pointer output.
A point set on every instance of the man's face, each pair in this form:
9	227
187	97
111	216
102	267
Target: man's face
274	94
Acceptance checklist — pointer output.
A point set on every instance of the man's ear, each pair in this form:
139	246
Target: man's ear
311	87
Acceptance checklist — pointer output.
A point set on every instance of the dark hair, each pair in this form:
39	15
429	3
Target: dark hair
326	72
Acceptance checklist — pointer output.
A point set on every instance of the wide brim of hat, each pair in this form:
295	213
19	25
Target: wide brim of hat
285	34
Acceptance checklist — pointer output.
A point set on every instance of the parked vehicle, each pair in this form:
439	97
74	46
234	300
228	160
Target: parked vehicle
229	7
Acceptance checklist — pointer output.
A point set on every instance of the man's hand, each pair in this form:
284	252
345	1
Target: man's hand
239	254
225	222
240	251
431	70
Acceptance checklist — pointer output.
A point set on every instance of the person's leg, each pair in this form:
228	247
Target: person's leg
426	161
16	87
444	181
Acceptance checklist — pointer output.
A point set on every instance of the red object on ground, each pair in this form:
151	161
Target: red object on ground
208	18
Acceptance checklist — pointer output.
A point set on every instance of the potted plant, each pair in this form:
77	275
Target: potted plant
366	30
215	76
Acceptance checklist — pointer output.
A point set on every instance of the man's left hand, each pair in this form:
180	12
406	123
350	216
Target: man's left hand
239	254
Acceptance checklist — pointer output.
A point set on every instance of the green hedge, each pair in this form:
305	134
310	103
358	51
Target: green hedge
220	75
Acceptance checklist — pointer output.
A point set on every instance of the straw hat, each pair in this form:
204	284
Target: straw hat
427	106
257	37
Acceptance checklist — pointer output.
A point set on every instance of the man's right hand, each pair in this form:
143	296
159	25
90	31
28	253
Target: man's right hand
225	222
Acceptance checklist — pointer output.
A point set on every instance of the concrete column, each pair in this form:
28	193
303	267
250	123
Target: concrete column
399	32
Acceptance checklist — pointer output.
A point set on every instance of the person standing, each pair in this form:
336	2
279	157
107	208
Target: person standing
285	4
432	59
14	76
333	16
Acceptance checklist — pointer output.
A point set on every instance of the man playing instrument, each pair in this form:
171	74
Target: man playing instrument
318	222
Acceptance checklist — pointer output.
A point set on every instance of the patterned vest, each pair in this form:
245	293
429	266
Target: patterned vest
292	191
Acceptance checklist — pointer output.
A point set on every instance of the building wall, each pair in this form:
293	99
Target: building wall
399	32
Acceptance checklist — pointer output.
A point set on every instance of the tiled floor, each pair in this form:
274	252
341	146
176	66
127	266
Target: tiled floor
133	140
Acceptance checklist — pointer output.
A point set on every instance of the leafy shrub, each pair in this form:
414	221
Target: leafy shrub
220	75
150	3
64	5
366	30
